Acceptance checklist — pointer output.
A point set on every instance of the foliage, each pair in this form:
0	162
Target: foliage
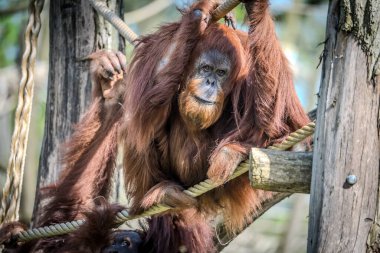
11	27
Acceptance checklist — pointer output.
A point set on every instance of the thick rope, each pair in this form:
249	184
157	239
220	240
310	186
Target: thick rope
10	203
131	36
115	20
293	138
194	191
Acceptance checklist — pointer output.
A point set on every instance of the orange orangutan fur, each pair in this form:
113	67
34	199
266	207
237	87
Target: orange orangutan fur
163	152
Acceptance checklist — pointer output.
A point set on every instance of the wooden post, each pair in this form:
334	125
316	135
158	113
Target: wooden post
75	32
347	134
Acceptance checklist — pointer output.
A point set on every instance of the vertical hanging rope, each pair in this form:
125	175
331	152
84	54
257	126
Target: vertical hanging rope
10	203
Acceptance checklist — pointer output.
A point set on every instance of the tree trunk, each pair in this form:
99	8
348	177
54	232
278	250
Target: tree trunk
75	32
347	134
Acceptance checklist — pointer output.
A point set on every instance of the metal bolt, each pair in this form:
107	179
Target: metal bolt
351	179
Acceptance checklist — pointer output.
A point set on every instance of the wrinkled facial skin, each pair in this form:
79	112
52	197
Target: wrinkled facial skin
201	101
124	241
212	68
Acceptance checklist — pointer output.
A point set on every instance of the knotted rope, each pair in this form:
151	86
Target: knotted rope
10	203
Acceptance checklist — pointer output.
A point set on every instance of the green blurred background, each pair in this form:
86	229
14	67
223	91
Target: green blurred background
300	26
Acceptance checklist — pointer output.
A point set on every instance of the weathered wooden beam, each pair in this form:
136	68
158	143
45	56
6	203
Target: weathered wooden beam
347	137
75	32
280	171
224	238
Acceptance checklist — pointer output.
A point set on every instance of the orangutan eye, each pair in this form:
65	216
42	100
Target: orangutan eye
221	72
206	68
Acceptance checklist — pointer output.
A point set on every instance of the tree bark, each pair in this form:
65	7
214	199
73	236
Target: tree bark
347	134
75	32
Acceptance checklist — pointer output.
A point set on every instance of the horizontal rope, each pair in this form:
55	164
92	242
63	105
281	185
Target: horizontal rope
194	191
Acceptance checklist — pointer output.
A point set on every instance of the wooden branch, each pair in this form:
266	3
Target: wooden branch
280	171
223	238
224	8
